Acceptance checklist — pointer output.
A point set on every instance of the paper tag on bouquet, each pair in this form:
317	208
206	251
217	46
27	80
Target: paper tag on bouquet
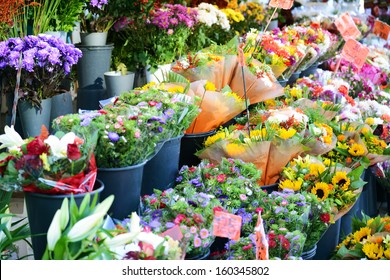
347	27
355	52
261	240
282	4
173	232
227	225
381	29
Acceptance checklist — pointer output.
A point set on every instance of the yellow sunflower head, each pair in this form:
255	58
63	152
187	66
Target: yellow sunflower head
321	190
341	180
373	251
362	233
316	168
387	253
292	185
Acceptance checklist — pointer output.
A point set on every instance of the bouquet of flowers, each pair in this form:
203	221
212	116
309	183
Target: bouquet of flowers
192	211
370	239
242	249
382	172
60	163
45	61
378	150
284	244
95	17
135	242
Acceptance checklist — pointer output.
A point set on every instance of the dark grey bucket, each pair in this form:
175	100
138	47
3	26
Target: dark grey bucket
32	119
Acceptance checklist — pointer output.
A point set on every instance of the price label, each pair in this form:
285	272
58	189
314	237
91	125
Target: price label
347	27
282	4
173	232
227	225
355	52
381	29
261	241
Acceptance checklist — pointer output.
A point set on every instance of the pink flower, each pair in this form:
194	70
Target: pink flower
117	126
193	230
197	242
284	202
243	197
221	178
204	233
137	134
170	31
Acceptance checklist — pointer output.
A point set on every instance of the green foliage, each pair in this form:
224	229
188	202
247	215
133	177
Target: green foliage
67	14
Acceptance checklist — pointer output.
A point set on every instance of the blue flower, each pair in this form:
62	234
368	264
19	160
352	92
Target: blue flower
113	136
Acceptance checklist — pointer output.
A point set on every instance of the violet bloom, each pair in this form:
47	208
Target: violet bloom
113	136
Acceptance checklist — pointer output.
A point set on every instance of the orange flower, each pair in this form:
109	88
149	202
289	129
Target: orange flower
343	89
341	137
348	160
386	117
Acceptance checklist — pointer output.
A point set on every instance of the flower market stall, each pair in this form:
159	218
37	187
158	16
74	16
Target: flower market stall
236	139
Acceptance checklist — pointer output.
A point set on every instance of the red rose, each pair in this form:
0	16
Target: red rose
247	247
153	201
179	218
73	152
207	175
325	217
37	147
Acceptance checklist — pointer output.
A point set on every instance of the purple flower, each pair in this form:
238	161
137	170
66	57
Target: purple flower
179	179
156	214
169	113
169	225
113	136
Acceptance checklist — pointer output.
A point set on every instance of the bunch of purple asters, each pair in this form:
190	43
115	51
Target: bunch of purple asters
242	249
170	17
95	17
46	61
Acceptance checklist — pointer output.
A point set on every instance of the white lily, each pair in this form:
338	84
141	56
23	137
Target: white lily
85	227
58	146
120	239
134	224
54	232
151	238
64	217
105	205
11	139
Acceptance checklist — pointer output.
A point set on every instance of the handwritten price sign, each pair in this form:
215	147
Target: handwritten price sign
347	27
261	241
282	4
355	52
227	225
381	29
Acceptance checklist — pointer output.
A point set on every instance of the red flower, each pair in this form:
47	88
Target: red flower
152	103
325	217
73	152
207	175
272	243
198	218
192	169
103	112
179	218
37	147
217	209
153	201
271	236
286	244
247	247
259	210
221	178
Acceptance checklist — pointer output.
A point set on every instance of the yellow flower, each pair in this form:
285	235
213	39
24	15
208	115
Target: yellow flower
373	251
341	137
341	180
287	134
387	253
292	185
321	190
296	92
365	130
176	89
362	233
214	138
234	95
370	121
45	162
317	168
343	146
270	103
326	161
233	149
258	134
356	150
210	86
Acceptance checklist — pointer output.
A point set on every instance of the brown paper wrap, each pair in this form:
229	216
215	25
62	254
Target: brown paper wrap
257	89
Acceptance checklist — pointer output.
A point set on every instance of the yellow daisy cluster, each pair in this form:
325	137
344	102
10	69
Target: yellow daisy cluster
233	15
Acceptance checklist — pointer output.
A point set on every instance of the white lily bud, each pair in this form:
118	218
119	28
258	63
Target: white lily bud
84	228
54	232
103	206
150	238
120	239
135	221
64	219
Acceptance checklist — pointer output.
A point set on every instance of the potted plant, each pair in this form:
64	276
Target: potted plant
48	168
119	81
95	22
45	60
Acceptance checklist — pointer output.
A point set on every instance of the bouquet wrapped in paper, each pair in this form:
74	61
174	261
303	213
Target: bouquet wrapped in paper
267	146
259	79
54	164
216	107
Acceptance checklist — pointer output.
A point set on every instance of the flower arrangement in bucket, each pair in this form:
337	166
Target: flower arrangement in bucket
45	61
49	164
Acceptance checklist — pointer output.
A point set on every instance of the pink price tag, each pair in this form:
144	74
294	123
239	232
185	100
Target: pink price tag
381	29
282	4
173	232
355	52
347	27
227	225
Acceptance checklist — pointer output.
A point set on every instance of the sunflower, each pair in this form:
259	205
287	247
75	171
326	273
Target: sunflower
373	251
287	134
316	168
321	190
233	149
356	150
292	185
212	139
387	253
362	233
210	86
341	179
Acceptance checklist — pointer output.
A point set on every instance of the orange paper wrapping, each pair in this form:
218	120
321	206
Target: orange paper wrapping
319	148
216	109
258	89
266	156
278	70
